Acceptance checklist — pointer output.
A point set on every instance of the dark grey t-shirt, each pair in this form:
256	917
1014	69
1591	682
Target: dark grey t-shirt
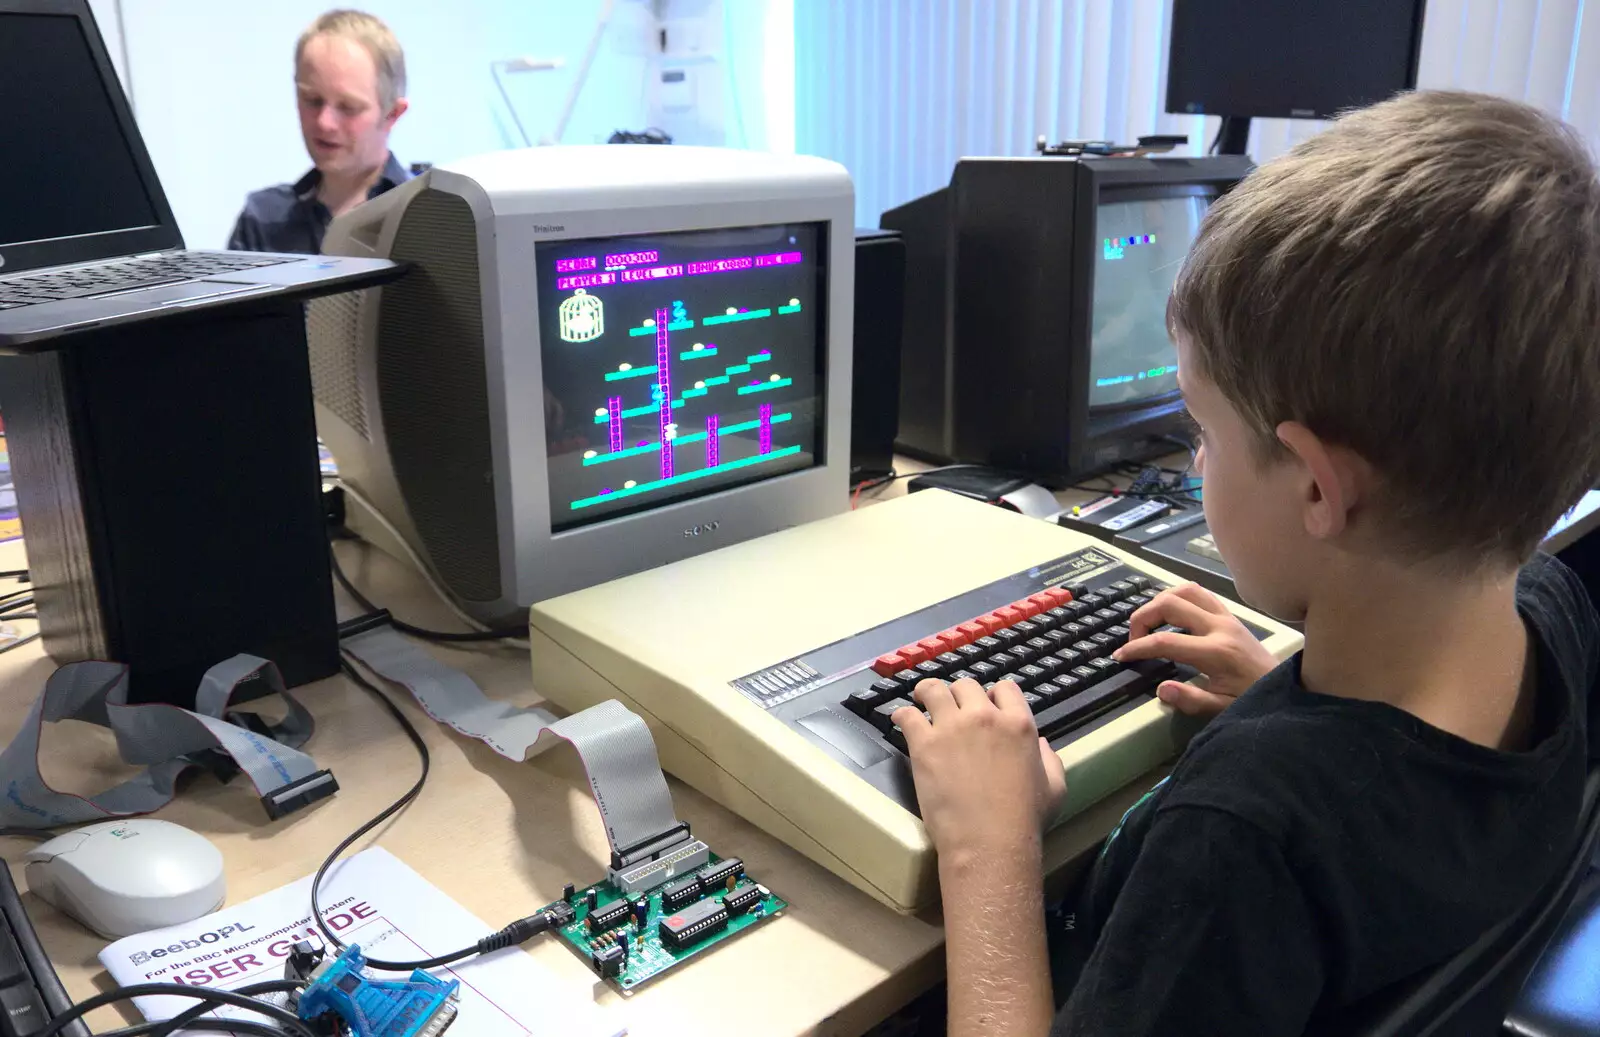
1309	851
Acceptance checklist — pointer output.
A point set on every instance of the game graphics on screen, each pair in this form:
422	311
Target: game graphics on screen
677	369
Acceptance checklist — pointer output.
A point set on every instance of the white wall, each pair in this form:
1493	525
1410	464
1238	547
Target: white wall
212	86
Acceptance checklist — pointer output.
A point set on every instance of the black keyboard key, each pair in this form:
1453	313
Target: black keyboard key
1035	702
1106	666
897	738
1026	627
1078	630
1049	691
1023	653
881	714
1120	589
1124	607
1077	590
1139	582
12	968
1004	660
1119	631
989	643
928	668
1086	674
1137	600
950	661
1054	617
1030	675
1088	702
963	675
1068	658
1076	609
22	1012
1008	635
1090	602
887	686
1042	644
1106	640
864	701
1059	638
1014	678
1110	615
1091	623
970	653
1050	664
1087	649
984	671
909	678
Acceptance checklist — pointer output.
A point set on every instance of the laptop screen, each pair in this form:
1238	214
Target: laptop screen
65	167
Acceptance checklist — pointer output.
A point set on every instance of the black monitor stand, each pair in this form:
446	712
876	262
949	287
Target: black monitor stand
167	480
1234	135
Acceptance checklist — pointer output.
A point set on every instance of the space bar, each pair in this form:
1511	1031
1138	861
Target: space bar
1070	712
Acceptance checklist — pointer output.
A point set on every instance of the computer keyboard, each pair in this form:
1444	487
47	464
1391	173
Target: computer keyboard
1205	546
30	993
125	274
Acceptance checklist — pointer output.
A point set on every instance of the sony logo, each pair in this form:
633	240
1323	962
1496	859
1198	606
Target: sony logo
549	228
704	527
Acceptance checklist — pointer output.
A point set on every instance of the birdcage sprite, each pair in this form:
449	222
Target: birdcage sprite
582	318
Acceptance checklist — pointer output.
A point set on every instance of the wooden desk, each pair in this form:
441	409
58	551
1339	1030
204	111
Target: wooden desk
502	838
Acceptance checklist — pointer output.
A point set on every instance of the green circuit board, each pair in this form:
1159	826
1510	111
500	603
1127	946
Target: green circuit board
647	954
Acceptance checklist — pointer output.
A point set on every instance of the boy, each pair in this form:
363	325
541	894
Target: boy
350	85
1388	341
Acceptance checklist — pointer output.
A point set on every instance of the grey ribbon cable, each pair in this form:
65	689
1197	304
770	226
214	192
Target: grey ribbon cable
161	737
617	750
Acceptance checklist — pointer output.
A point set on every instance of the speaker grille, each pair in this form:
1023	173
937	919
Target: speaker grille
332	324
431	381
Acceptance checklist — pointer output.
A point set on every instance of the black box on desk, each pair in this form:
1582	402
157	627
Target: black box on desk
170	496
875	381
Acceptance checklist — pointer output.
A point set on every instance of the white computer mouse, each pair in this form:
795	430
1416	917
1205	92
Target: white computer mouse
125	877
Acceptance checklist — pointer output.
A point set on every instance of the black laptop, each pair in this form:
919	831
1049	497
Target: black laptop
86	236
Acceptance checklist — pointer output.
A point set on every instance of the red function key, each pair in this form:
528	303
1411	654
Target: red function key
889	665
1043	600
913	654
973	630
933	646
953	639
1059	596
1028	608
1008	614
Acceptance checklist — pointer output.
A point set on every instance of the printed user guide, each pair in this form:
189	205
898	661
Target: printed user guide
375	901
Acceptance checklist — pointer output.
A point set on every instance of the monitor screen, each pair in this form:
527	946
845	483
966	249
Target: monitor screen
63	149
1304	59
679	364
1139	246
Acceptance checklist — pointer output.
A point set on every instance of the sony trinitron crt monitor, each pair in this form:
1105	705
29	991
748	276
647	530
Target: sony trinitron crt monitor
604	359
1036	297
1309	59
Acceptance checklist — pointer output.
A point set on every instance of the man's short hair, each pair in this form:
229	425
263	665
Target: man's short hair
1419	283
369	31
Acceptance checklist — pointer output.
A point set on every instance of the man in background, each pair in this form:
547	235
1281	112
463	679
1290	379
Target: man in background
350	80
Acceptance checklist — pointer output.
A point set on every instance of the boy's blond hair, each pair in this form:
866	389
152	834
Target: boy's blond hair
369	31
1421	284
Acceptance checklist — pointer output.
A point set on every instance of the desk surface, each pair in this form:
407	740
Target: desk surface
502	838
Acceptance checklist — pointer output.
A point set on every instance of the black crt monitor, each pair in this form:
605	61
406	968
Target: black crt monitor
1288	59
1045	280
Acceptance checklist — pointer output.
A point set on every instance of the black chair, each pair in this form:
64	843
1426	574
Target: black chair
1560	998
1471	993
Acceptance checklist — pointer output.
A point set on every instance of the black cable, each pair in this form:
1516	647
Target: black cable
20	575
161	1029
19	643
186	1019
517	932
206	994
414	631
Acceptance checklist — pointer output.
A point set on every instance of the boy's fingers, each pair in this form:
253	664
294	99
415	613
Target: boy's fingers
1188	649
1190	700
969	694
1008	697
933	696
912	724
1168	607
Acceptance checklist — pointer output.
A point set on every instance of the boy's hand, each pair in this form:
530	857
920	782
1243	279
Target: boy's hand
1216	643
984	777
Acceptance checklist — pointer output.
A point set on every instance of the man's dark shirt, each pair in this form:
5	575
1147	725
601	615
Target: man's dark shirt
1309	851
289	218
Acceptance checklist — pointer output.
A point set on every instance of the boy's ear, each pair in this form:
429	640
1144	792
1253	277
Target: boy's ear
1334	479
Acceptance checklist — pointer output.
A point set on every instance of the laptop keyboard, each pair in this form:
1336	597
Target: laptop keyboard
125	274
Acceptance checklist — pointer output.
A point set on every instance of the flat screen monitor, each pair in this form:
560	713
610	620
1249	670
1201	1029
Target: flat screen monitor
1304	59
678	364
1140	243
